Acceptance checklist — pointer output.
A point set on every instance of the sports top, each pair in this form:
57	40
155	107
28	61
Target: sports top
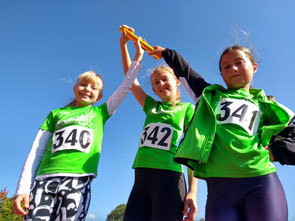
76	142
163	126
68	138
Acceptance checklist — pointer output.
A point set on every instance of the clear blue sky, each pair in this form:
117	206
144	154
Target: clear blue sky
45	45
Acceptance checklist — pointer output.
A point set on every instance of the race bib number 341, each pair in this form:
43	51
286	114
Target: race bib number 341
157	135
72	138
240	112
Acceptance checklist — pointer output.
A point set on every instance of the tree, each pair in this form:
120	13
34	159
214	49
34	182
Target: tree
117	214
6	208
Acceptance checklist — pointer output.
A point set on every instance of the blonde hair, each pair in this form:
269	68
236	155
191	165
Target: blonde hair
89	76
167	69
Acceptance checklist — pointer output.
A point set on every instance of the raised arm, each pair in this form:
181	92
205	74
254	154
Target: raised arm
193	83
136	89
119	95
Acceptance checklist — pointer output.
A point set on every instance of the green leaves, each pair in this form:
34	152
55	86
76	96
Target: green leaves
117	214
6	207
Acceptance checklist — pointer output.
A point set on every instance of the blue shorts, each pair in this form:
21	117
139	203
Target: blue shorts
246	199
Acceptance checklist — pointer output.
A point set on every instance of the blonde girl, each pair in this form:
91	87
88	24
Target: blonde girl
57	174
159	191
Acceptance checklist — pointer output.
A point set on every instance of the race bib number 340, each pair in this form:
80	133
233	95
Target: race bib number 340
157	135
240	112
72	138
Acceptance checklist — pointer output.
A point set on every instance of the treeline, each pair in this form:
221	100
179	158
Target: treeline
118	213
6	207
6	210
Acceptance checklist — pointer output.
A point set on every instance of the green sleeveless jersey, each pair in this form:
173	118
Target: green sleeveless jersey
76	140
162	129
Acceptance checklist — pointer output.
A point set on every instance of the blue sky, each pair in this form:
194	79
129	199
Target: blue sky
45	45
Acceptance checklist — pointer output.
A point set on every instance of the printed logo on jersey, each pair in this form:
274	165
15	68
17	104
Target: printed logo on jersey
156	135
72	138
240	112
169	112
84	119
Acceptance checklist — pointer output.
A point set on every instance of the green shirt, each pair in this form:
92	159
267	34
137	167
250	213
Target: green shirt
76	141
228	132
237	150
162	129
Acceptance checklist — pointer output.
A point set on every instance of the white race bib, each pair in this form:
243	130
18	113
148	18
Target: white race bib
157	135
72	138
241	112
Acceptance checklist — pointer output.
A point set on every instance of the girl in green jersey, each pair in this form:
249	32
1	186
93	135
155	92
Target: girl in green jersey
159	191
64	156
225	142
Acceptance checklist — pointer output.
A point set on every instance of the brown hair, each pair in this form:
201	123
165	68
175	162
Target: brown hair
167	69
248	53
271	97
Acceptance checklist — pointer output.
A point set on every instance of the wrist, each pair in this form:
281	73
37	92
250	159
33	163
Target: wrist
123	44
192	192
138	57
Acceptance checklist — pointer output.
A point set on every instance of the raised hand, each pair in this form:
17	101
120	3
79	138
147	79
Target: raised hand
139	51
124	39
157	52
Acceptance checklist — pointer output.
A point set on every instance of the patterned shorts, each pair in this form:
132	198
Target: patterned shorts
60	199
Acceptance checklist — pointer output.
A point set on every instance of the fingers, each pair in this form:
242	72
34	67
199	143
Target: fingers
190	214
154	51
157	52
188	219
17	208
185	208
139	51
26	202
189	210
127	27
137	44
124	39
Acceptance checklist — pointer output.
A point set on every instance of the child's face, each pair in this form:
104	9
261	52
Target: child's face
237	70
86	93
165	85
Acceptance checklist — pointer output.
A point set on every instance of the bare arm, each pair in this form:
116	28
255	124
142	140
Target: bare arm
190	209
136	89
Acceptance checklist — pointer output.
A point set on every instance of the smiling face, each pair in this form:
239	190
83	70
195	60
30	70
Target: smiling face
237	69
165	85
88	89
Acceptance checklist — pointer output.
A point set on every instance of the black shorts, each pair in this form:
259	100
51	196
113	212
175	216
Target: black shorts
157	195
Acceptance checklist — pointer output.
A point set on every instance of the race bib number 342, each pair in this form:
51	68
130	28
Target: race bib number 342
157	135
241	112
72	138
